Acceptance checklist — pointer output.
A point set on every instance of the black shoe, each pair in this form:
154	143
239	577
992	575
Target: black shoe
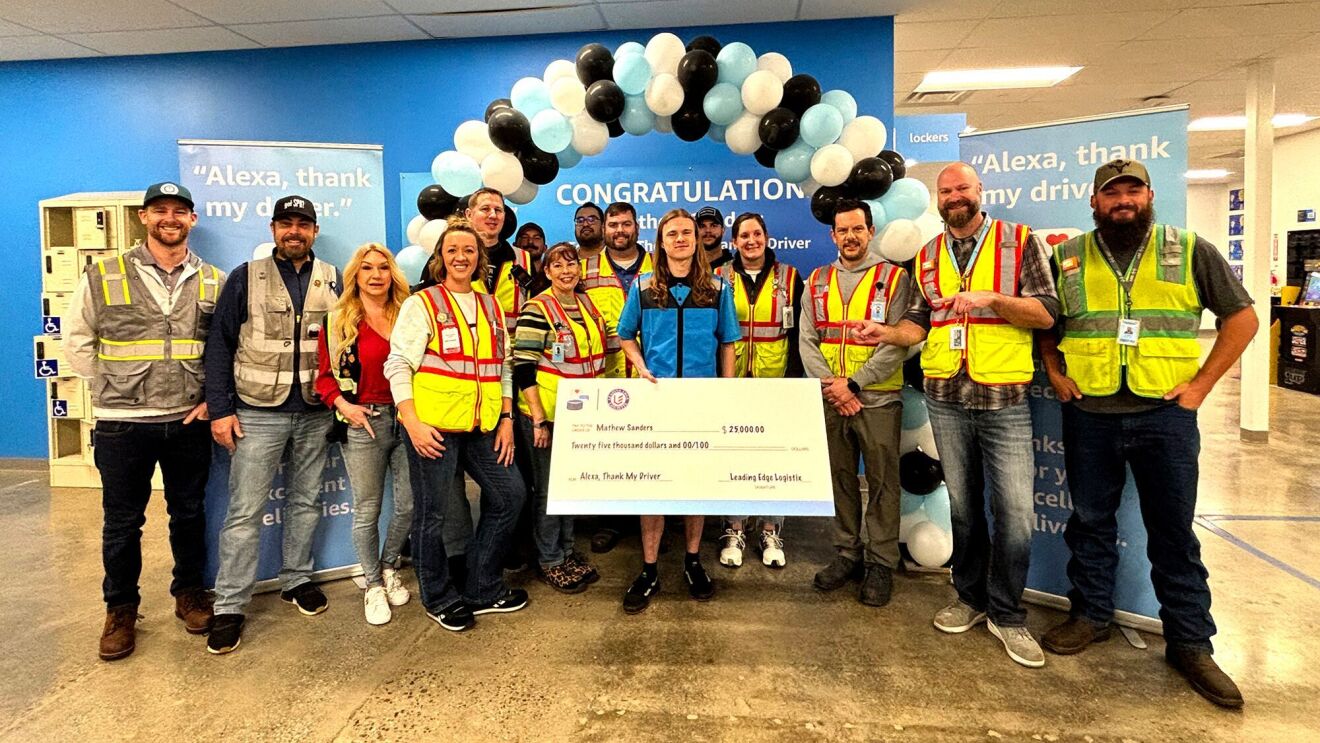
1201	671
638	595
307	597
456	617
700	586
226	630
512	600
877	586
838	572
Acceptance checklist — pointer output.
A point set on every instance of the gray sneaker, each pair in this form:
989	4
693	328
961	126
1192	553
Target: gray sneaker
957	618
1019	643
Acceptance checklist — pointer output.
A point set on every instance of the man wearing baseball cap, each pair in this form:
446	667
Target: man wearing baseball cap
261	365
1125	363
710	231
136	328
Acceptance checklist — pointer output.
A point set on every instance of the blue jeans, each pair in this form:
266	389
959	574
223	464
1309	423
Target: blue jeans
1161	447
366	460
553	534
980	448
502	495
256	459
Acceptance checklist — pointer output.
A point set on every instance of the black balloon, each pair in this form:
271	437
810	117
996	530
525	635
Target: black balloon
496	105
778	128
434	202
509	130
594	62
869	179
897	165
539	167
800	93
462	204
690	123
706	44
510	223
616	129
913	375
605	101
697	73
765	156
823	203
919	473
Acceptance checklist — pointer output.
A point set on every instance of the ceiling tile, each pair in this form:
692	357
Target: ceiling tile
1203	23
40	47
1242	47
922	11
825	9
425	7
1082	28
1037	8
918	63
163	41
1070	55
662	13
914	37
512	23
337	31
13	29
88	16
267	11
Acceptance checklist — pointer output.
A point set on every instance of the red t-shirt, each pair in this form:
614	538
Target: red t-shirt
373	387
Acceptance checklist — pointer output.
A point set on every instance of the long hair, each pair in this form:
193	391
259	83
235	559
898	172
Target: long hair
458	225
704	289
349	311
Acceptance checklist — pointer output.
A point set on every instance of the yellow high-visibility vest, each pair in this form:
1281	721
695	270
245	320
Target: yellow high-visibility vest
582	347
457	385
607	293
763	349
828	312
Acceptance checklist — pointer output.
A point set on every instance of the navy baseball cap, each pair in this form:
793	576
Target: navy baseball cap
167	190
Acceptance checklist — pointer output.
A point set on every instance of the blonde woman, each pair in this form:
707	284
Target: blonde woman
352	383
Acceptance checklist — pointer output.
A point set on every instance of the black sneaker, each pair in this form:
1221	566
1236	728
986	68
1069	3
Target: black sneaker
456	617
512	600
307	597
877	586
700	586
638	596
838	572
225	634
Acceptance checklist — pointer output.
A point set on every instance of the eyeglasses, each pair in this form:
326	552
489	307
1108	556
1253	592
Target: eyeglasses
588	219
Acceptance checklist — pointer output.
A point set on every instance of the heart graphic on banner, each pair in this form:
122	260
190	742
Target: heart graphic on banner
1056	238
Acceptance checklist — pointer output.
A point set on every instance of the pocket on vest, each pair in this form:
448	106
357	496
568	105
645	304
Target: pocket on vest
122	383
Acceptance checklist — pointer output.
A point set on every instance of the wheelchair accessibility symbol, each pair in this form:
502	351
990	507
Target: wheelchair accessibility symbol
50	324
59	408
46	368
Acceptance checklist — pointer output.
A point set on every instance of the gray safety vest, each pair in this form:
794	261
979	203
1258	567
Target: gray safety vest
263	364
145	357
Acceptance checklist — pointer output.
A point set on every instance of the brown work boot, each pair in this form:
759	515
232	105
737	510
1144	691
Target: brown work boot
118	638
1201	671
1074	635
194	608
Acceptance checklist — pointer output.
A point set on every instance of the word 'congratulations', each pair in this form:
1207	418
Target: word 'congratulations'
678	192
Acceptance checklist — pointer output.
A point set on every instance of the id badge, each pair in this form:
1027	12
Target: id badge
557	353
786	321
878	310
958	338
449	341
1129	332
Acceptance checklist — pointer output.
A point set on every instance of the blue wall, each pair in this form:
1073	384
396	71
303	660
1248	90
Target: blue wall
111	124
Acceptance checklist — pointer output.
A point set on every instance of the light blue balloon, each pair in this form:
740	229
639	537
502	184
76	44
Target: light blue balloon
637	117
632	73
878	215
530	96
569	157
723	104
628	48
909	503
551	130
456	173
736	61
938	509
794	164
907	198
821	125
412	260
915	414
716	133
842	100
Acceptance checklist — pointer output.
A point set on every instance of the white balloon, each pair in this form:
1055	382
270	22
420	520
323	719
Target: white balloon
831	165
502	172
899	241
664	125
559	69
414	228
762	91
568	96
589	136
524	193
262	251
809	187
663	52
864	136
743	136
929	545
908	520
472	138
664	94
776	63
931	226
429	236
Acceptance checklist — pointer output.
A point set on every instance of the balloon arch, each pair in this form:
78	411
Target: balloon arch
755	105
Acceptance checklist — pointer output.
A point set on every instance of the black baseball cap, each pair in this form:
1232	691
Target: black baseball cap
709	212
1119	169
294	205
167	190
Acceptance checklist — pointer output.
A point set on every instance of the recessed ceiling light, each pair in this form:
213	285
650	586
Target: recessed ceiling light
994	79
1207	174
1235	123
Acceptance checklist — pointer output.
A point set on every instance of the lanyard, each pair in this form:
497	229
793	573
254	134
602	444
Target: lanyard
982	235
1127	278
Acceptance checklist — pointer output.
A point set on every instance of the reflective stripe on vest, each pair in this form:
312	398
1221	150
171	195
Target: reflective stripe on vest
584	348
762	351
1163	298
602	284
509	292
459	389
263	362
828	312
994	352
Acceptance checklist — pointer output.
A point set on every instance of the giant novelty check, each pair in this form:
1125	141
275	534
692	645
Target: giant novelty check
720	447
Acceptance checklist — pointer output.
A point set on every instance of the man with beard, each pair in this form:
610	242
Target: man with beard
509	276
261	365
860	383
136	328
530	238
589	230
1126	366
710	231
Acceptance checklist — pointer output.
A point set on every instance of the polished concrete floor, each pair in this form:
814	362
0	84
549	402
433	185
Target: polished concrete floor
769	659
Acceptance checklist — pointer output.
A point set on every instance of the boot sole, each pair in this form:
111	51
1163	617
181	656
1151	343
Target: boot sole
194	630
117	656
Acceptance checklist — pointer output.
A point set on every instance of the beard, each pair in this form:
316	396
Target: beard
157	234
1125	234
961	218
589	239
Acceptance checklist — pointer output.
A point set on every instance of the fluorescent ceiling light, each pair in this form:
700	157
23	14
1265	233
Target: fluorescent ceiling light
943	81
1235	123
1208	174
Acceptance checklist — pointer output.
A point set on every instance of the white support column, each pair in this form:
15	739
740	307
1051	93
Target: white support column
1255	400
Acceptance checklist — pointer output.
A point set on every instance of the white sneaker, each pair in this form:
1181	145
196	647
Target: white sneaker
1021	646
732	545
395	591
772	549
376	605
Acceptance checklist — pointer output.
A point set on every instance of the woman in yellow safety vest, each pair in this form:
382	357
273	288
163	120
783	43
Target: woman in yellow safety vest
767	294
451	378
561	336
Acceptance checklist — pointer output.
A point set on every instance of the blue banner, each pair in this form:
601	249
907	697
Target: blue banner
928	138
1042	176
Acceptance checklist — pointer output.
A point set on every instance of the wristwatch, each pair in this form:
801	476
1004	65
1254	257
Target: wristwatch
506	416
543	424
854	387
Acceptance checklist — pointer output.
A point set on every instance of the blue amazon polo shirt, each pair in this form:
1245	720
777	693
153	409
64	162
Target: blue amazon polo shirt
679	330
